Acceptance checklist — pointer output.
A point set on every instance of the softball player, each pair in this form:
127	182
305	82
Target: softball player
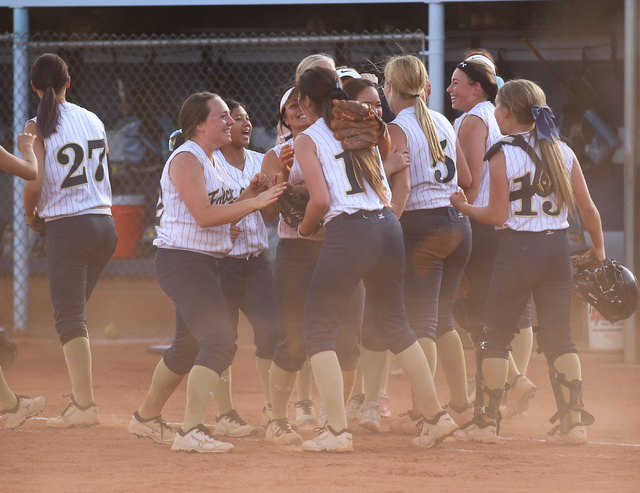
296	259
362	242
395	167
473	88
15	409
246	277
534	183
195	207
437	237
70	200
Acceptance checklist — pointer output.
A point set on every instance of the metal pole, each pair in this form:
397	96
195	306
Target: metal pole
436	56
20	116
630	159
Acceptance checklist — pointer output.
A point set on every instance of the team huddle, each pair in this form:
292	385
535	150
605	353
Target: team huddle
392	222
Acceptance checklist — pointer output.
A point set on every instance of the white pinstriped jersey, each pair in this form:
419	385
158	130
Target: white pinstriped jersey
431	184
535	213
346	193
76	178
484	111
175	226
254	238
286	232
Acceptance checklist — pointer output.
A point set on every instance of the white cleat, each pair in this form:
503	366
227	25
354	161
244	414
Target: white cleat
433	431
279	432
24	409
407	424
576	435
522	391
305	415
370	416
199	439
353	406
75	415
266	416
385	405
231	424
330	441
461	415
474	432
155	428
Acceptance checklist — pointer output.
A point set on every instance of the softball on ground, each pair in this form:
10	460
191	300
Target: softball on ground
111	331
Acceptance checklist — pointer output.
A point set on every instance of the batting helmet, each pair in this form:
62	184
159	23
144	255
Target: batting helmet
610	288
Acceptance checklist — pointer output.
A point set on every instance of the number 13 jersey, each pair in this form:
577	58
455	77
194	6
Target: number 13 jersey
431	183
346	192
76	179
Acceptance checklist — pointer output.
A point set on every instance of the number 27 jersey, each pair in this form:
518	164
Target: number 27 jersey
76	179
346	192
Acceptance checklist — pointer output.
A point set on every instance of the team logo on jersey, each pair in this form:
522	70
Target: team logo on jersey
218	197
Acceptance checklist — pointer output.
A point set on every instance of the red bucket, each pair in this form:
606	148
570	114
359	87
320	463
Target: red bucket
128	214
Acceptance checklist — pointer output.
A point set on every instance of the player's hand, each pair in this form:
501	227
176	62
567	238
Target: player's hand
396	161
25	141
235	232
269	196
36	223
286	162
458	199
370	77
259	183
597	253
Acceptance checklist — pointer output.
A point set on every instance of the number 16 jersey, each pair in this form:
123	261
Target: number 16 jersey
346	192
76	178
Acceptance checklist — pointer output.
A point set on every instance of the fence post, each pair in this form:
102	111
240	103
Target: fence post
20	116
436	56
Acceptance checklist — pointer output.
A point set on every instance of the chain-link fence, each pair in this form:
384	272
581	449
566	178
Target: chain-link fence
136	85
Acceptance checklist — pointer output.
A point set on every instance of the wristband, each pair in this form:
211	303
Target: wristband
305	236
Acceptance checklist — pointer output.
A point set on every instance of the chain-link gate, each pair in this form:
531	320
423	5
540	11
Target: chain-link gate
136	85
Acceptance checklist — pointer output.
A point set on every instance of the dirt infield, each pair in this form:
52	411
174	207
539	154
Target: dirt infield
108	459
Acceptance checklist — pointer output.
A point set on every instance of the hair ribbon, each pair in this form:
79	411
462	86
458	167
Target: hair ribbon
545	125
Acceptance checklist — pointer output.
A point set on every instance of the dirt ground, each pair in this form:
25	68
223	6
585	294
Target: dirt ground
108	459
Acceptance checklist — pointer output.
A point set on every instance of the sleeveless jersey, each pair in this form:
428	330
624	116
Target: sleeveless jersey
534	213
254	238
484	111
346	193
175	226
431	183
286	232
76	178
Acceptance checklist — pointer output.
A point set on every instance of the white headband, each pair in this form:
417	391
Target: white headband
285	97
348	72
484	59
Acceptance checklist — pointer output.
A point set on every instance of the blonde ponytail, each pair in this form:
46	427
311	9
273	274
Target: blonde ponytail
408	79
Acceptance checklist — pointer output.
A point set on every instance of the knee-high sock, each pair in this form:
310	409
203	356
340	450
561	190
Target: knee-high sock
303	385
163	384
415	366
569	364
348	379
386	372
451	356
358	384
326	371
430	349
224	401
264	366
7	398
513	371
373	365
78	357
281	383
521	349
201	386
494	372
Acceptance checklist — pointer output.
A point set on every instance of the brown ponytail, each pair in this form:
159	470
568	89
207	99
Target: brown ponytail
322	86
49	74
